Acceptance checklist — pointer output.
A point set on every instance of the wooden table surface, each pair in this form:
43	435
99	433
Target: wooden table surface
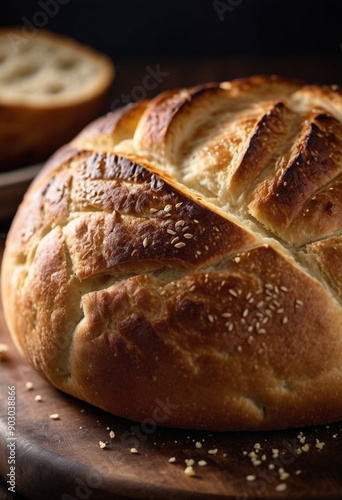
63	459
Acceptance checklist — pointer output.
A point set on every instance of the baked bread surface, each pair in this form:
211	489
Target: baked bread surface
185	253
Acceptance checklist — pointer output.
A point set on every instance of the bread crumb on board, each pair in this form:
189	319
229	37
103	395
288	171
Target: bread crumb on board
213	452
29	386
281	487
189	471
4	352
189	461
54	416
202	463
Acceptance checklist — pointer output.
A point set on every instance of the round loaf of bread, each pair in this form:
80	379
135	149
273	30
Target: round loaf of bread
179	261
50	87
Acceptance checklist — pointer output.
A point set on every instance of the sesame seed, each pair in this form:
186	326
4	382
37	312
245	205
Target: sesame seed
271	466
334	436
145	242
134	252
134	450
195	221
284	475
285	320
261	331
211	318
281	487
275	452
172	460
298	472
269	286
170	231
202	463
257	446
256	463
250	339
189	471
29	386
232	292
167	208
153	210
112	434
188	236
239	348
179	204
263	458
192	288
283	289
180	223
213	452
245	313
174	240
179	245
198	444
299	302
185	228
226	315
280	311
251	477
54	416
38	398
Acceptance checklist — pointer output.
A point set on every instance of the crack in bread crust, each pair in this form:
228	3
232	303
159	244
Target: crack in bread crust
182	248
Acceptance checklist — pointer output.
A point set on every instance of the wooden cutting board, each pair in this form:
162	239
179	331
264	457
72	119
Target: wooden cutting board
62	459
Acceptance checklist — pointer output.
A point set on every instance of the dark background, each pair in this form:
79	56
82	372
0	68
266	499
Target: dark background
183	28
273	30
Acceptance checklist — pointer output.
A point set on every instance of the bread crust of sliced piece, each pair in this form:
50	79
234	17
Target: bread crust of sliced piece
175	261
51	86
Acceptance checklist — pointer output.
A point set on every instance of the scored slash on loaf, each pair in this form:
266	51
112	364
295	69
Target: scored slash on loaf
185	251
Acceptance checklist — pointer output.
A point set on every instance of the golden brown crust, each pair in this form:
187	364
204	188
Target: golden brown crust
142	267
